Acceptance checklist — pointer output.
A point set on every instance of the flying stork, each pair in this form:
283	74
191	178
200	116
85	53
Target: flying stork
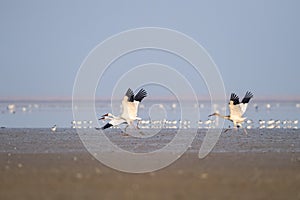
130	105
237	109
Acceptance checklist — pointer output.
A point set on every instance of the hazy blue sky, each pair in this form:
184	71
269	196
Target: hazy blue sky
255	44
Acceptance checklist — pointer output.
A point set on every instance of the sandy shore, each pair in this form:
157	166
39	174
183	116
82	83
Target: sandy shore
218	176
38	164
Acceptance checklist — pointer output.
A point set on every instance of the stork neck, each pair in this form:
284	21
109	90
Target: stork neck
223	116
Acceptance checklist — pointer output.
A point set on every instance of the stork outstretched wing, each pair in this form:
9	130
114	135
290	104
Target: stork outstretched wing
245	101
237	108
140	95
131	102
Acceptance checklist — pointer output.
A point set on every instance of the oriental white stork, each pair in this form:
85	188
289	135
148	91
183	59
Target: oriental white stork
237	109
130	105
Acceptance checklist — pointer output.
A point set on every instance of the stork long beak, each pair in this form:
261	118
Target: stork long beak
103	116
212	114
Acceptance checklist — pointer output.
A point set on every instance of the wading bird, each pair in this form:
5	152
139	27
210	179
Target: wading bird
53	128
130	105
237	109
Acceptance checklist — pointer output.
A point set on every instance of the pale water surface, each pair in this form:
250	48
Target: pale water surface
45	114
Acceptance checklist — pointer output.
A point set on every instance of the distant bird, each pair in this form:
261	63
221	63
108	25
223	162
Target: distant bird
130	105
237	109
271	121
53	128
249	121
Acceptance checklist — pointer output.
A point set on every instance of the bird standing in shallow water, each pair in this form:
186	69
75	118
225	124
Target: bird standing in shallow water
53	128
237	109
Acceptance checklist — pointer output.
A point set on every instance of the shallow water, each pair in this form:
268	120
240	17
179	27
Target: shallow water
46	114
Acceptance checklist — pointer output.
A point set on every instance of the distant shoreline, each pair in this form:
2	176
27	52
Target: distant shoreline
164	99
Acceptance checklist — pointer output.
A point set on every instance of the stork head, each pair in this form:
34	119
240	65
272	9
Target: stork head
105	116
102	117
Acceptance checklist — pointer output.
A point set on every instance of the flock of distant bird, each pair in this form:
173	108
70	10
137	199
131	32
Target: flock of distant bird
270	124
130	106
131	102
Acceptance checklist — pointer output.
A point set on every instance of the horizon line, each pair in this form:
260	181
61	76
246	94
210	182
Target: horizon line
154	98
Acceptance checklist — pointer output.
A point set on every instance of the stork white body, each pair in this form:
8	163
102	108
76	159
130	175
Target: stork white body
237	110
130	105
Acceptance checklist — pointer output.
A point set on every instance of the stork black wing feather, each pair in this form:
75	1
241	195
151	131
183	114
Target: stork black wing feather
234	98
140	95
130	95
106	126
247	97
